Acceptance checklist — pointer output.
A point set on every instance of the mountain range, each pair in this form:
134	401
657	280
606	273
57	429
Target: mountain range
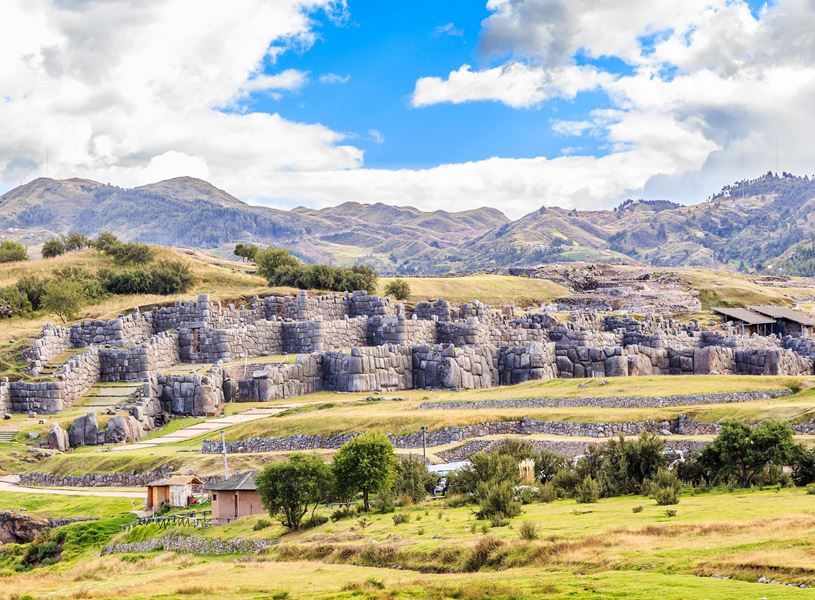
766	224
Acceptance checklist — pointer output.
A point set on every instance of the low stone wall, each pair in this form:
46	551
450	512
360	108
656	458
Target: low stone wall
438	309
608	401
124	479
367	369
192	394
50	343
191	544
446	435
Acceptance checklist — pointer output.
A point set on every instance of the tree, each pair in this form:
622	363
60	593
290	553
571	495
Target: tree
269	260
398	288
63	298
75	241
365	464
664	487
53	247
588	491
105	241
291	487
413	479
11	251
247	252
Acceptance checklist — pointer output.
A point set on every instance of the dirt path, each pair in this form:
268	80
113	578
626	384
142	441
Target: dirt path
209	426
10	483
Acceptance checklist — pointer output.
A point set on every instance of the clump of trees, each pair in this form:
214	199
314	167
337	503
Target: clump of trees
70	288
398	288
280	268
248	252
11	251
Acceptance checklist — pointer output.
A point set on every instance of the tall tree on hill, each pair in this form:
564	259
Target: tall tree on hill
366	464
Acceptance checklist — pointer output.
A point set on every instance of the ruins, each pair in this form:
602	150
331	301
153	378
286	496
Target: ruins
194	356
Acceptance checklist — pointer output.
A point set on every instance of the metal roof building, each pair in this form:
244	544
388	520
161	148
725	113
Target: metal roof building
749	320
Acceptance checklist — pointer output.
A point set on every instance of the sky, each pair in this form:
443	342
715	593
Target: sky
452	104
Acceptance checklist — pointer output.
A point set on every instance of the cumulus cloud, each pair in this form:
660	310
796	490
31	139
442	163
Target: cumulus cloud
130	91
515	84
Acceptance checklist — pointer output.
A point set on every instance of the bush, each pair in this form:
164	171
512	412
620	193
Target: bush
13	302
528	531
811	489
315	521
124	253
496	500
53	247
527	494
33	288
105	241
75	241
171	277
413	479
401	518
665	488
247	252
11	251
281	268
566	481
261	524
636	509
481	554
670	513
164	277
89	283
398	288
588	491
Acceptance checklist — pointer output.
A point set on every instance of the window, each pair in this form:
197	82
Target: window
214	496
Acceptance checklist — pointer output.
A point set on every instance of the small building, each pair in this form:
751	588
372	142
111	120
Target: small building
746	320
235	497
787	320
176	490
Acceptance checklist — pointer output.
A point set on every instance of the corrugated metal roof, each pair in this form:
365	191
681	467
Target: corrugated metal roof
782	312
176	480
745	315
238	481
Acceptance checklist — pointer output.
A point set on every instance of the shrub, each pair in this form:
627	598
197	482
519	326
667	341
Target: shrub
413	479
33	288
105	241
637	509
124	253
53	247
164	277
528	530
247	252
261	524
400	518
566	481
665	488
588	491
527	494
811	489
171	277
496	499
11	251
89	283
385	502
398	288
315	521
75	241
670	513
13	302
548	493
481	553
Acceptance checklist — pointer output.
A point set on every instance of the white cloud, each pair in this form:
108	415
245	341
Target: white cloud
571	127
376	136
128	91
515	84
448	29
333	78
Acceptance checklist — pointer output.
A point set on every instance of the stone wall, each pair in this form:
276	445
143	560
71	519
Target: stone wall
50	343
73	379
122	331
533	360
463	333
123	479
582	361
160	351
368	369
5	396
261	382
190	544
450	367
192	394
437	309
401	331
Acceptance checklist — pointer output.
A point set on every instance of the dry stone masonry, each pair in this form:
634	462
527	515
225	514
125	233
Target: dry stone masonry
193	356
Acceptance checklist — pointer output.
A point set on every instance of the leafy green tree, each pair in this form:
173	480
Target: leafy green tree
588	491
53	247
366	464
33	288
247	252
75	241
413	479
105	241
484	467
497	501
64	298
270	260
664	487
398	288
291	487
11	251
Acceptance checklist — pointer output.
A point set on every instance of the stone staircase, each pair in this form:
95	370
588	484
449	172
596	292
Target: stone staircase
107	395
6	437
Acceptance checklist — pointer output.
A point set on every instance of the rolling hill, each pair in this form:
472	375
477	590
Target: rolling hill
763	223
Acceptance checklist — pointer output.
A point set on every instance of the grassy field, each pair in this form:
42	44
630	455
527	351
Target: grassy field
715	547
491	289
64	506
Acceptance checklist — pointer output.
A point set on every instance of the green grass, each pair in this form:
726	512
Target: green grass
65	506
